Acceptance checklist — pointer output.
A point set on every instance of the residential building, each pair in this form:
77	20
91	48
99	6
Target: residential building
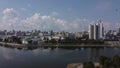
96	31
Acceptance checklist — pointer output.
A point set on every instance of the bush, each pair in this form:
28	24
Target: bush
102	60
116	61
113	62
88	64
107	63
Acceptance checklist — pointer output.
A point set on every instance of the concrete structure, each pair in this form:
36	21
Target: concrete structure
91	31
96	31
101	29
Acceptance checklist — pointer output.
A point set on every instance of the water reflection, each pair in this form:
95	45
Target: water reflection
50	58
94	53
41	50
7	54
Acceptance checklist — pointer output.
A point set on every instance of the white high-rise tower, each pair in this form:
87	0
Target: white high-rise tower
96	31
91	31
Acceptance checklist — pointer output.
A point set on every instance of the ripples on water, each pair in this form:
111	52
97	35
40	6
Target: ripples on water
50	58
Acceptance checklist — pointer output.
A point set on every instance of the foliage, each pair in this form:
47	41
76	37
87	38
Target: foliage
88	64
68	40
13	39
116	61
107	63
113	62
102	59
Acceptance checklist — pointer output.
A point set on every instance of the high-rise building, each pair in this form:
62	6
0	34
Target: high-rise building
91	31
96	31
101	30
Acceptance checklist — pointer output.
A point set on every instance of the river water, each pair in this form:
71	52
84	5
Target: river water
50	58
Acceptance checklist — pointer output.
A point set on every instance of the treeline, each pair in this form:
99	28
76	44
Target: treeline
12	39
105	62
75	41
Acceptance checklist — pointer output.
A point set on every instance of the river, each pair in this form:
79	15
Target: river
50	58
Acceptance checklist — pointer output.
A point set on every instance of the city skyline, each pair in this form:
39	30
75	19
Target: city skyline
60	15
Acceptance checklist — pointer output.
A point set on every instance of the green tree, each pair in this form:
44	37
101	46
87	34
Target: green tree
102	60
116	61
107	63
88	64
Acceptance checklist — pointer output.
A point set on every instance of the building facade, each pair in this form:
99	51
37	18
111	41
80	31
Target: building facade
91	31
96	31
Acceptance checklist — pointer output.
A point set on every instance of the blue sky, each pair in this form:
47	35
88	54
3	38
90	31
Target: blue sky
68	15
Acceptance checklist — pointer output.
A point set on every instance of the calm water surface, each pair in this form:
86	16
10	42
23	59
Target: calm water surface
50	58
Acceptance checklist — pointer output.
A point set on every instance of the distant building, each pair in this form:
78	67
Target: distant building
91	31
96	31
119	30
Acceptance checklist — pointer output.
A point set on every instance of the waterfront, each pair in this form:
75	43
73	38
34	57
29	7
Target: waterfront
50	58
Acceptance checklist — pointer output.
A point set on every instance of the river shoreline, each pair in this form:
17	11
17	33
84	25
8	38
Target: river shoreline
34	46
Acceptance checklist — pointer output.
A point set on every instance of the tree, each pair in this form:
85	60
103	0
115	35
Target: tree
102	60
107	63
116	61
88	64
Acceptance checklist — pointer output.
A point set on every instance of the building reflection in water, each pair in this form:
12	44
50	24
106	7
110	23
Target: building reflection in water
94	53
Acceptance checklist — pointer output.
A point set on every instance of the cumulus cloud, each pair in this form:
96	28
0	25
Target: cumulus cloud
12	20
10	17
9	13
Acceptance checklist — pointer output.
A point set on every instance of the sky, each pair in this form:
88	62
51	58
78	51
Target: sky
58	15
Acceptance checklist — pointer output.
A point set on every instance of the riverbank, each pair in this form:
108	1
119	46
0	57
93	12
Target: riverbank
75	46
70	46
18	46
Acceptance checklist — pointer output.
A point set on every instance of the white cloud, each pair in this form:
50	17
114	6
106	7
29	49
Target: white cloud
46	17
10	17
12	20
9	13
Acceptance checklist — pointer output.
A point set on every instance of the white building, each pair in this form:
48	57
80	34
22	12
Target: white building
96	31
91	31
